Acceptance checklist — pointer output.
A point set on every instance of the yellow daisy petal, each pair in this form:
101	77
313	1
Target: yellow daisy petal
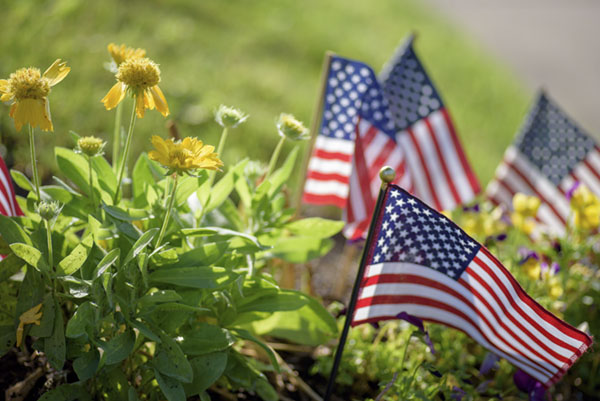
33	112
160	101
114	96
140	107
56	72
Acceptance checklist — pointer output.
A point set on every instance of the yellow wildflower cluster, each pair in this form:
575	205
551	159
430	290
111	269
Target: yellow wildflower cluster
483	224
122	53
525	209
586	209
29	89
184	156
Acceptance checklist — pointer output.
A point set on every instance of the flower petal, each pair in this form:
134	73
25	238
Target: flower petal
140	107
31	111
160	101
57	72
114	96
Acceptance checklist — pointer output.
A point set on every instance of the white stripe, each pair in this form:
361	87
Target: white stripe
334	145
544	186
567	183
497	191
476	304
331	187
436	171
375	147
5	205
428	312
11	209
330	166
414	167
583	174
593	157
449	151
356	202
526	309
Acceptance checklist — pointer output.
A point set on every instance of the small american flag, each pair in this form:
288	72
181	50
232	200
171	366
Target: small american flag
8	201
421	263
549	156
435	159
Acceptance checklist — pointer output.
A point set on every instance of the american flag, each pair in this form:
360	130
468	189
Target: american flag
421	263
549	156
330	166
8	201
435	159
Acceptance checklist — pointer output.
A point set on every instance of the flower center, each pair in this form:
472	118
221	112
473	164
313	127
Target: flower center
139	73
181	155
28	83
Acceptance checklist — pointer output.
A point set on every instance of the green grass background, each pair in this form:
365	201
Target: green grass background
261	56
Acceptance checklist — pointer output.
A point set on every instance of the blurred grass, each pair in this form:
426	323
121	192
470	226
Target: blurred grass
261	56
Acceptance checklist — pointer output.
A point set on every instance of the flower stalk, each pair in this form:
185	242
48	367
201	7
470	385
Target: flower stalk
275	157
117	136
125	153
49	238
92	200
165	223
34	164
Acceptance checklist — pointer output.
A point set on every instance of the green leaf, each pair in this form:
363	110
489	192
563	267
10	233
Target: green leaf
315	227
207	369
171	388
205	254
108	260
143	182
310	325
119	347
82	318
158	297
55	346
285	300
243	190
140	244
221	232
223	188
86	365
206	338
74	167
106	176
126	215
194	277
171	361
188	185
47	322
246	335
11	231
73	261
144	330
132	395
265	390
31	256
9	266
67	392
280	176
21	180
7	338
301	249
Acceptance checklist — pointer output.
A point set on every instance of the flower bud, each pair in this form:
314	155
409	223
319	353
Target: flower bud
289	127
90	146
229	117
48	210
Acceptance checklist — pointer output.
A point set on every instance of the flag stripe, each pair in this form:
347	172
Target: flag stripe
443	161
430	196
413	164
586	176
8	193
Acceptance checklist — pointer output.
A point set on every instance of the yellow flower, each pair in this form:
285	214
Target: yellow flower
90	146
184	156
123	53
532	268
29	90
586	208
31	316
525	209
139	76
555	289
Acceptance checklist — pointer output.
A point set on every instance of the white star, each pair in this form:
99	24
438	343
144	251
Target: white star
376	258
415	229
389	208
400	202
410	220
381	242
419	259
408	242
451	273
393	240
426	212
431	237
411	201
397	248
416	210
385	225
463	257
436	246
435	265
389	233
394	216
384	248
420	238
395	194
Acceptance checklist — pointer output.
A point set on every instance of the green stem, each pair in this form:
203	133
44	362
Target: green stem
212	174
165	223
34	164
117	136
125	154
91	184
49	237
274	157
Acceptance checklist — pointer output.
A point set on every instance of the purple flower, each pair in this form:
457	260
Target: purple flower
415	321
490	362
458	393
572	190
527	254
375	325
552	268
474	208
531	386
501	237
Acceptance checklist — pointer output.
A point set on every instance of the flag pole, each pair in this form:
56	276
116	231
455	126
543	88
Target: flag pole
314	127
387	175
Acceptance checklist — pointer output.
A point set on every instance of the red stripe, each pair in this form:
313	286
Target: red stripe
418	300
10	192
368	136
363	176
442	162
324	200
424	168
406	278
547	316
461	155
324	154
591	168
381	158
537	193
316	175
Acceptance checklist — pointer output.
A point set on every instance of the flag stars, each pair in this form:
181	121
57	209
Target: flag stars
394	216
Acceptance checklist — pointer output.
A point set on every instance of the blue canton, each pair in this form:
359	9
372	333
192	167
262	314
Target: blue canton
412	232
552	141
407	88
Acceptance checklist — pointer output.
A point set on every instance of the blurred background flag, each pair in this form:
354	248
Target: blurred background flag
8	200
549	156
420	263
435	158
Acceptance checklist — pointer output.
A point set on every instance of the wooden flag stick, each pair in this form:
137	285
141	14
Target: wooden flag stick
387	175
314	127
